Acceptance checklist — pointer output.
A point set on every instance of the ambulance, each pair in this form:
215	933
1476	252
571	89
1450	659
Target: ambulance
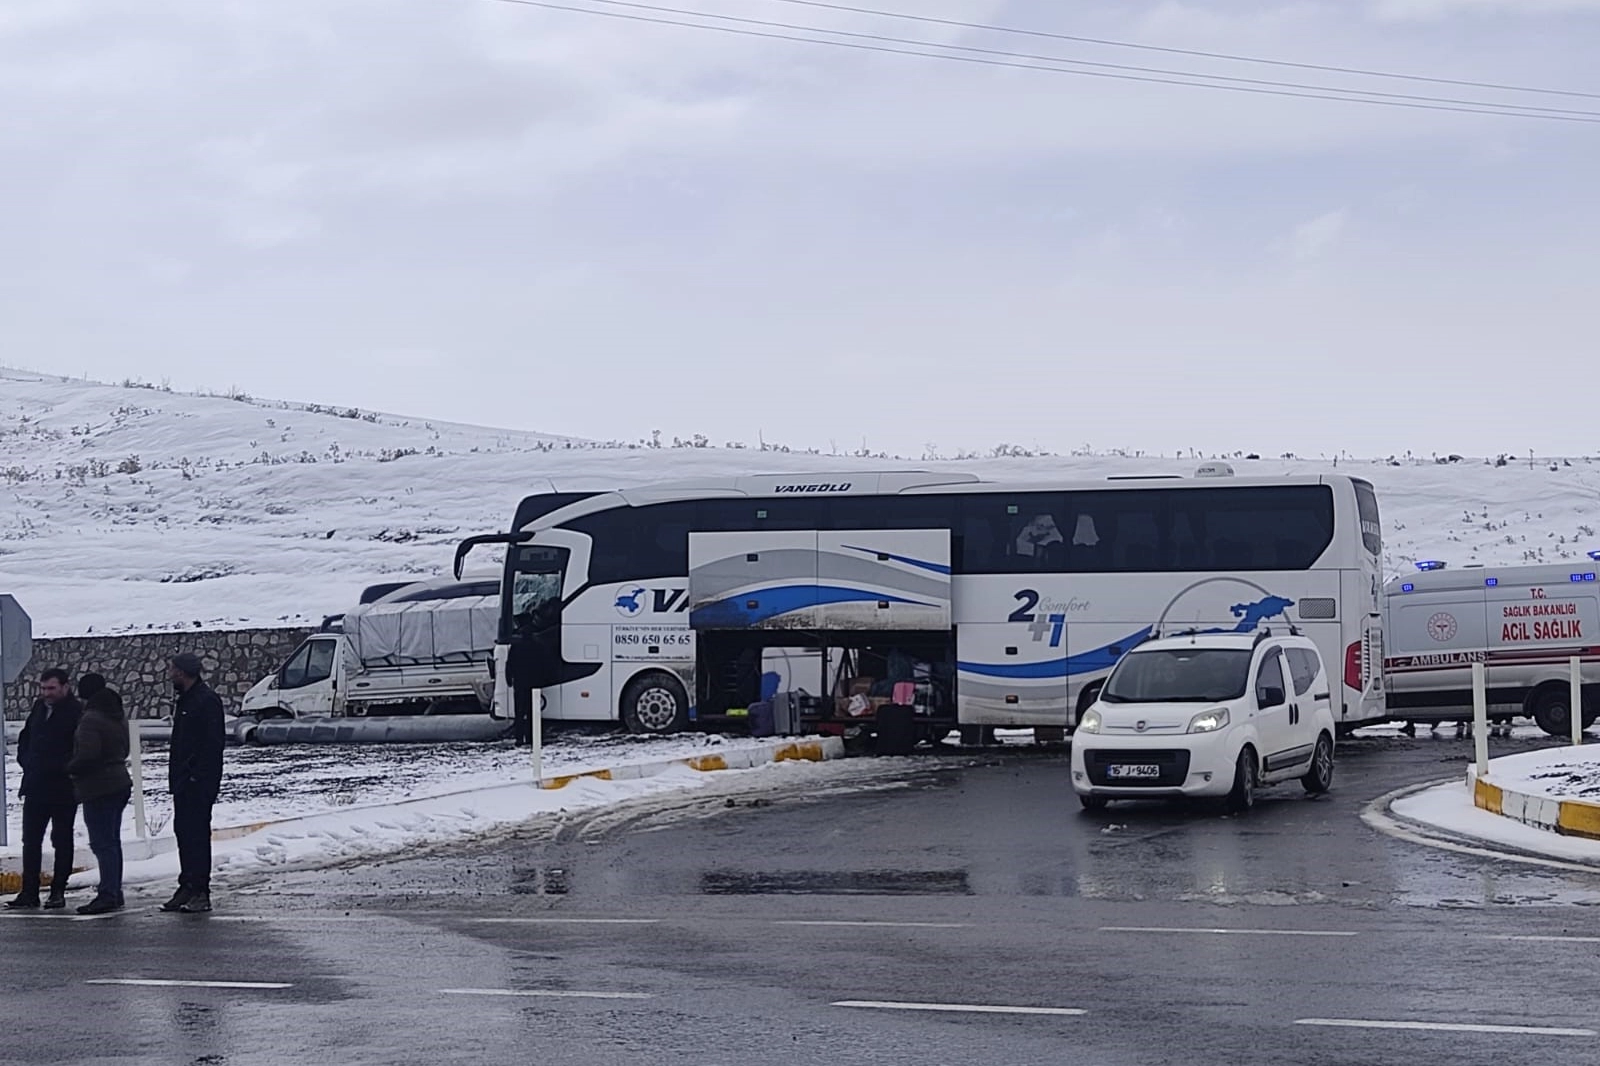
1524	623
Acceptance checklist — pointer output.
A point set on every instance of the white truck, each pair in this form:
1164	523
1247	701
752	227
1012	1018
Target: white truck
1524	623
425	647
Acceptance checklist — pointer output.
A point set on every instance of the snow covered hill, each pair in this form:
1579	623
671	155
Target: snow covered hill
126	507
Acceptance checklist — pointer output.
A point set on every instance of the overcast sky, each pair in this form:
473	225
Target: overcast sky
492	213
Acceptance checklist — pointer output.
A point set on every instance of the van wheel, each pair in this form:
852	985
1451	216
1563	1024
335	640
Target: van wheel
655	703
1551	710
1319	778
1243	797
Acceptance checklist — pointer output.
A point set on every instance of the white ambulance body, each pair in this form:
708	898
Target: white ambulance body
1524	623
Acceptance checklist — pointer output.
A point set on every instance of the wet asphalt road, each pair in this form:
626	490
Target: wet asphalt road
728	928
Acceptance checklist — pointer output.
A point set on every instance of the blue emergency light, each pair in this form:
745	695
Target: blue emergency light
1430	564
1407	587
1491	581
1595	555
1583	577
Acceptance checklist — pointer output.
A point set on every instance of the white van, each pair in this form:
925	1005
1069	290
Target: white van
1208	715
1524	623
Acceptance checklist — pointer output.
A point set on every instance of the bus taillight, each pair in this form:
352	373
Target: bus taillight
1352	666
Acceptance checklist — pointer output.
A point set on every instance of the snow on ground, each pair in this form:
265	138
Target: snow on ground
1449	807
131	508
1561	773
271	783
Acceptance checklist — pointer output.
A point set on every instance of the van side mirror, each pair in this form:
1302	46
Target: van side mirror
1271	697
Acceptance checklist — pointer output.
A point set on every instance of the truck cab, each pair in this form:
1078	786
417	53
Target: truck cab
306	685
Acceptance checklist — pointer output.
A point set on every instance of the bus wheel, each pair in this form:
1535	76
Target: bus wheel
655	703
1549	709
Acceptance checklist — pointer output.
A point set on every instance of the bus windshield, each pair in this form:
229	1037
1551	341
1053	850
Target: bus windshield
536	587
1179	675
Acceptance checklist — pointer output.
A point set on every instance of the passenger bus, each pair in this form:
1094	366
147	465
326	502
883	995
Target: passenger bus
978	603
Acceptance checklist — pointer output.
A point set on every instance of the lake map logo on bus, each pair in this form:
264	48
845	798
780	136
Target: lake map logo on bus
630	602
634	600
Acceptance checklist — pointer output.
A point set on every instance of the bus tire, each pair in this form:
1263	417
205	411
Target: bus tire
1550	710
655	702
1086	698
977	736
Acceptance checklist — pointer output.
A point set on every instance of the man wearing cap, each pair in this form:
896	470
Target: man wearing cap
194	777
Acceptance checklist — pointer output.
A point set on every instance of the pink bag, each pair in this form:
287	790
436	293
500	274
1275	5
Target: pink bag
905	692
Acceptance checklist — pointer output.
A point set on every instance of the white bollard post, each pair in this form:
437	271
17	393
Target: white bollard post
1480	718
136	750
538	745
1575	710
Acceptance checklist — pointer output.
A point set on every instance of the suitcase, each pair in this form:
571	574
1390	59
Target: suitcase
896	730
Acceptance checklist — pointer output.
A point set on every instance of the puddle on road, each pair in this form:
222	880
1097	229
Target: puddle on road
837	883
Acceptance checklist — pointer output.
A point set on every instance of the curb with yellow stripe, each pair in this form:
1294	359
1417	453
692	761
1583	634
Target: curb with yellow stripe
1569	817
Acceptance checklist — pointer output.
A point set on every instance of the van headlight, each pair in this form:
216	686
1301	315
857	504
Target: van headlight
1090	722
1209	721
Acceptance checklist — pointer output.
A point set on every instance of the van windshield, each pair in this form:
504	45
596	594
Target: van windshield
1179	675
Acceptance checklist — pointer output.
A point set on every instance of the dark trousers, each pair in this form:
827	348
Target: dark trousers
191	824
102	816
59	817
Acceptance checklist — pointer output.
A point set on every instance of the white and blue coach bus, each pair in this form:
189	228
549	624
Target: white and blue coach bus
991	604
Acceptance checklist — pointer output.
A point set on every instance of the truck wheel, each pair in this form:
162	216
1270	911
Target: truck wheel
1319	778
1243	797
655	703
1551	712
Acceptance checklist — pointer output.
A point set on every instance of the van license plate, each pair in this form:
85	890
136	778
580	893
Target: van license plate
1142	770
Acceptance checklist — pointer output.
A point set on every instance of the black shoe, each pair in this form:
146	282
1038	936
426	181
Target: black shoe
179	898
55	903
199	903
101	905
23	903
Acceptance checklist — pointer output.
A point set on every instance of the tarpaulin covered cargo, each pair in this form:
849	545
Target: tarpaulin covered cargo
428	631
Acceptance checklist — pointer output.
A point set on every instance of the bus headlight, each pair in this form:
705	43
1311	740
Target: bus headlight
1209	721
1090	722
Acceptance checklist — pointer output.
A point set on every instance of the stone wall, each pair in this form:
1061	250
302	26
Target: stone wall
136	665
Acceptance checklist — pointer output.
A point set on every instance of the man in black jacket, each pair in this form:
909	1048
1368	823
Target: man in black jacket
194	777
43	751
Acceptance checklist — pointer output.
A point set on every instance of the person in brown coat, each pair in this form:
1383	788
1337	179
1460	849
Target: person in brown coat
99	769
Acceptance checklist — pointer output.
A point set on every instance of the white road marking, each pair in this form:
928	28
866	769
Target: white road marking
150	982
542	993
1551	939
292	918
566	921
1233	932
877	925
1446	1027
956	1008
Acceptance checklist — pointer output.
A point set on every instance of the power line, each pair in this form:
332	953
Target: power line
1502	110
991	28
1270	82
